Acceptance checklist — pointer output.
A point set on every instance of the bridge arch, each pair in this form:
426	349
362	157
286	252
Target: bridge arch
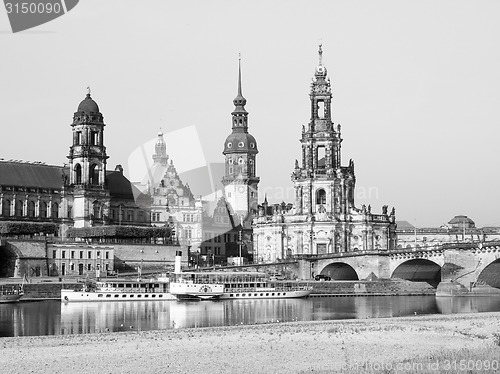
490	275
340	271
419	270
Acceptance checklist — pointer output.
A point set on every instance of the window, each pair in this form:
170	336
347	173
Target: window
55	210
98	254
89	254
94	174
54	254
81	254
43	209
78	174
89	267
6	208
31	209
321	196
188	233
97	210
106	255
19	208
72	254
321	109
63	254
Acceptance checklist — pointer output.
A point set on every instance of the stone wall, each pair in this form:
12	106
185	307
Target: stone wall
128	257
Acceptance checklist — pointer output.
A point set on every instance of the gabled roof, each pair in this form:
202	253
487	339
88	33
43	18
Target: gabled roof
23	174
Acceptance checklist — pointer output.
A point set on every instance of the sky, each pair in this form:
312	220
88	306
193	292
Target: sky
416	87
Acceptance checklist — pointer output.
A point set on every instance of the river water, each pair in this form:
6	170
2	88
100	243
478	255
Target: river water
56	318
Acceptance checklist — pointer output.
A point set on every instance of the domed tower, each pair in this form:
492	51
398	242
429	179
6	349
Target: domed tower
240	151
87	163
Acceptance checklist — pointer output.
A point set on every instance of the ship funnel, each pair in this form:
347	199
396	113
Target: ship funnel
178	258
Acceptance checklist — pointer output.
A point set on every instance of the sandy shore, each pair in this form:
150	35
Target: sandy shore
334	346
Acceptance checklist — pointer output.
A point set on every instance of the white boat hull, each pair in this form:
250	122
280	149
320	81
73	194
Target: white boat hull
265	295
71	295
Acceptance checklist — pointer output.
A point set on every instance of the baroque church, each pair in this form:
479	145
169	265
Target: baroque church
324	218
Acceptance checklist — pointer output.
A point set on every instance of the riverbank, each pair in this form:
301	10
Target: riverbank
347	346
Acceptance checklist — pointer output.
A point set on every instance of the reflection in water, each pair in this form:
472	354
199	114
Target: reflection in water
55	318
464	304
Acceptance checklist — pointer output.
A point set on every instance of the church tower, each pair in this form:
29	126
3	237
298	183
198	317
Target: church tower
160	156
87	164
322	185
240	151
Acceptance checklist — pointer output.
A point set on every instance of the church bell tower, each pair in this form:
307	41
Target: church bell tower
322	185
87	163
240	151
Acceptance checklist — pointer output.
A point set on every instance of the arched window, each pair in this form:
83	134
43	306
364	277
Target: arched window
31	209
94	174
43	209
321	196
6	208
97	210
19	208
78	174
55	210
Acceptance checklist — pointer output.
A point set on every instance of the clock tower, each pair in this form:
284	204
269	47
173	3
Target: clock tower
240	151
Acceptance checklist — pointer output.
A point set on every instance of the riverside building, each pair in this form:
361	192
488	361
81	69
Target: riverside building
323	218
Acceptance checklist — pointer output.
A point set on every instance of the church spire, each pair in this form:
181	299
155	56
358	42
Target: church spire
240	115
239	76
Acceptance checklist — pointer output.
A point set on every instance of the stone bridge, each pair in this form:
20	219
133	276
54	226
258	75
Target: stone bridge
466	265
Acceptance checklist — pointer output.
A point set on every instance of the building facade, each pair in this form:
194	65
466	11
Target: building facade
324	218
173	203
81	193
460	229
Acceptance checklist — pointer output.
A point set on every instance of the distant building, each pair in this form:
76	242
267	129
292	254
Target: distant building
459	229
324	218
173	203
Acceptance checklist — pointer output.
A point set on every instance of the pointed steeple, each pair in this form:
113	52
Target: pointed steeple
239	101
